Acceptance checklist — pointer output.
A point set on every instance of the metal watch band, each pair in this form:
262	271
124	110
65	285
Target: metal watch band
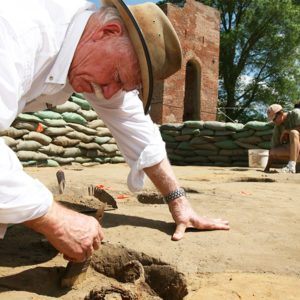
174	195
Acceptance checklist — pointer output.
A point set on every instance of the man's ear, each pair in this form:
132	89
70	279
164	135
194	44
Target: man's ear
108	30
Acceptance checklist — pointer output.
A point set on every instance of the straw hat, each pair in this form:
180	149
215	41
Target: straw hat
154	40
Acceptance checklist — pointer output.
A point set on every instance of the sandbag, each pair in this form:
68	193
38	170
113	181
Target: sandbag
185	146
62	160
171	132
55	122
73	152
234	126
175	157
213	139
47	114
39	137
205	152
52	149
194	124
88	115
101	131
65	141
102	160
245	145
198	158
171	126
28	145
31	126
96	123
89	146
28	163
81	159
13	132
171	145
81	102
191	131
27	117
73	117
214	125
229	144
183	153
167	138
117	160
257	125
223	132
265	145
109	148
95	153
243	134
31	155
264	132
102	140
183	138
90	164
10	142
47	163
251	140
83	129
207	146
80	136
206	132
68	106
55	131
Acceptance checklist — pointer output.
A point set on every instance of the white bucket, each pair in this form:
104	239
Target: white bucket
258	158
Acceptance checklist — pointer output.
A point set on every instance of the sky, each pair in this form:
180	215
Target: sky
128	2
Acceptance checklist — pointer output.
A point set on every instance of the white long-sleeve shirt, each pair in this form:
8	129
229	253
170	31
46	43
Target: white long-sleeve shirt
37	42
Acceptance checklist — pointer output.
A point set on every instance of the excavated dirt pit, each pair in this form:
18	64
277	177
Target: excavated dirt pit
257	259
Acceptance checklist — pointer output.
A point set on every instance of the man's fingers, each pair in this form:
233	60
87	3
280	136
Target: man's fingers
179	232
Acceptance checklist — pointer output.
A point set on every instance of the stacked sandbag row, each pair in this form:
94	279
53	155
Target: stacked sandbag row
215	143
67	134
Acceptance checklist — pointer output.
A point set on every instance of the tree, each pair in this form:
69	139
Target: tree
259	55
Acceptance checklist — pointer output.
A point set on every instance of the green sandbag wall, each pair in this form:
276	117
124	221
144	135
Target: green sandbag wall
213	143
70	133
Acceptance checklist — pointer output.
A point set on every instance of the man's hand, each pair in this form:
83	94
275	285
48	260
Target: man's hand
284	136
74	234
185	217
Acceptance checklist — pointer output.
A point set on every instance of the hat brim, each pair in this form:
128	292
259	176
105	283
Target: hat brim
141	49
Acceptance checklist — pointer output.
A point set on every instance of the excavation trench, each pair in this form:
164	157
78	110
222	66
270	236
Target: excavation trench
151	278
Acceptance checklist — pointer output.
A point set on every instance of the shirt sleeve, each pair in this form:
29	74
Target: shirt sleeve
22	197
137	137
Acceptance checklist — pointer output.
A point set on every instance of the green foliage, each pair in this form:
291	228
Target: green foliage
259	56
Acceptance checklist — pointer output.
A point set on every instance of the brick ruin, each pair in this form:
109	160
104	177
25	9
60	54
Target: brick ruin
192	92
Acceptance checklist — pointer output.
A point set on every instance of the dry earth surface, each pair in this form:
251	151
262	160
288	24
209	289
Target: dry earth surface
258	258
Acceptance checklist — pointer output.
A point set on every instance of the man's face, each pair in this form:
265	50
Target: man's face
278	118
100	65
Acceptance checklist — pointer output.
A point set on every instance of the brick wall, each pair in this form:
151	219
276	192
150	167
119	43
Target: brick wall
192	92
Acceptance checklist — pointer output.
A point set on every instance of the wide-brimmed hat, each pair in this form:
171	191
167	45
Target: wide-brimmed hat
273	110
155	42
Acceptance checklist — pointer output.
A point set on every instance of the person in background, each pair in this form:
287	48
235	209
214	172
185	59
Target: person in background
285	140
49	49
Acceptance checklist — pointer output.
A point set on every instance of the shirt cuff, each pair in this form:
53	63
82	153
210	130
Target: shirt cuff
151	155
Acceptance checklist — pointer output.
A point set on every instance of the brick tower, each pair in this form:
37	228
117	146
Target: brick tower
192	92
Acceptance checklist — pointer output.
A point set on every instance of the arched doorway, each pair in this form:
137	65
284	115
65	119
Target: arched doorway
192	91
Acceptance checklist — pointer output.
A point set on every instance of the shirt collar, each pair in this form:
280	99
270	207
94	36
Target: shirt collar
60	69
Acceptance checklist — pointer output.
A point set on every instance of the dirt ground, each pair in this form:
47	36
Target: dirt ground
259	258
